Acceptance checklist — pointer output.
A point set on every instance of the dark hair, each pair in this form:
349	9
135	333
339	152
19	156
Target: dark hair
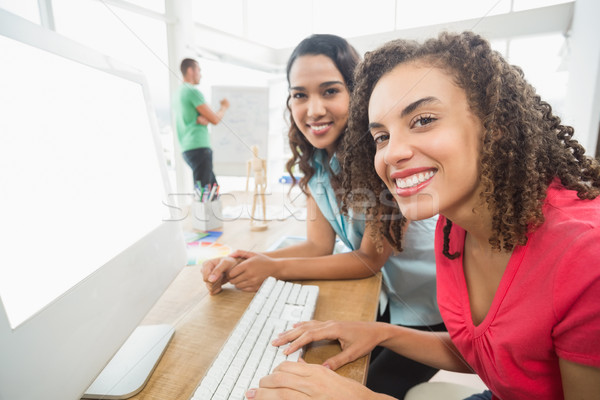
345	58
524	146
187	63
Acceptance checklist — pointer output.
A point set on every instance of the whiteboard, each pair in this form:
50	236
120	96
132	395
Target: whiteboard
245	124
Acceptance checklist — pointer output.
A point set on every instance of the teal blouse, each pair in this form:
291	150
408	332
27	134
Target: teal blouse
408	277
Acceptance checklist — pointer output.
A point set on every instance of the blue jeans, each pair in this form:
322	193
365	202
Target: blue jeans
200	161
486	395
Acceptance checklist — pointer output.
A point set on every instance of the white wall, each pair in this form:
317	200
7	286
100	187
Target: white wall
180	39
583	92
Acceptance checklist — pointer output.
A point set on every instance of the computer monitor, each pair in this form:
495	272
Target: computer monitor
88	244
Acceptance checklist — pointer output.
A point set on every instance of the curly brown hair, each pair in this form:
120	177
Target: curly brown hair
524	146
345	57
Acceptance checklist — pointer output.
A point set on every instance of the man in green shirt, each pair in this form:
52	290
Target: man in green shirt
193	116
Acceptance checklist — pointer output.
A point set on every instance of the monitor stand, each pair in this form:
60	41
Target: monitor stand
129	370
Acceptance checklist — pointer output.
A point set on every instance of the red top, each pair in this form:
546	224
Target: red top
547	304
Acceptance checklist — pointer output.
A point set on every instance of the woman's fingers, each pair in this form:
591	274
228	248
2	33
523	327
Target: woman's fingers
301	381
304	333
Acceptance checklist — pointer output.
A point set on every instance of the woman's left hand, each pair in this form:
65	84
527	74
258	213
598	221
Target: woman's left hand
249	274
356	338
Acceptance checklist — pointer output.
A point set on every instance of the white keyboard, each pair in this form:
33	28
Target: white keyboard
248	355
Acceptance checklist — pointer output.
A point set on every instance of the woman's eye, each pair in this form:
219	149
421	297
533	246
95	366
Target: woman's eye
380	138
331	91
298	95
423	120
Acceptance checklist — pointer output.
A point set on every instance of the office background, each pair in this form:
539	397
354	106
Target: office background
245	43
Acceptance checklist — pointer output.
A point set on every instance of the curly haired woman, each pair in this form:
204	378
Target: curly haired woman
320	77
453	128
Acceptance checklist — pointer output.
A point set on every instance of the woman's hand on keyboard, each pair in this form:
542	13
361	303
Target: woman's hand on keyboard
299	380
215	272
356	338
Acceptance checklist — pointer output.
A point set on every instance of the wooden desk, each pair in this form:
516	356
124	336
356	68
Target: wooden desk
203	322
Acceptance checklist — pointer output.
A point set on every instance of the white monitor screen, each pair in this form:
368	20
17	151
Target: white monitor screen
75	163
87	241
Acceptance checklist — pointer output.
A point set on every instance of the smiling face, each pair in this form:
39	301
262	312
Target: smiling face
428	142
319	100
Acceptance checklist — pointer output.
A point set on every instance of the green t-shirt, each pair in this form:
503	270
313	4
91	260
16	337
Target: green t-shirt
190	134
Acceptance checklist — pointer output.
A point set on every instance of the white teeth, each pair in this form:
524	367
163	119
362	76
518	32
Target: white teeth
318	127
414	180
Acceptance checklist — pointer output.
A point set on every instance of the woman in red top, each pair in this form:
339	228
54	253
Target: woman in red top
454	129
